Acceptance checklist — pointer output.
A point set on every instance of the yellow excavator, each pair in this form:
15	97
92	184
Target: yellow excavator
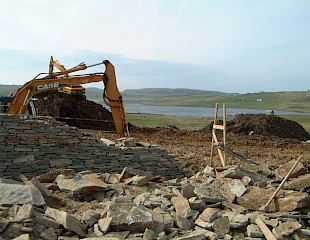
71	90
61	80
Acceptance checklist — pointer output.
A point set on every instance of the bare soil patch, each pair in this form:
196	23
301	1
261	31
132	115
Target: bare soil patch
273	140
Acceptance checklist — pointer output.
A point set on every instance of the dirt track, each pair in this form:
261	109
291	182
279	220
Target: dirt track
193	148
274	140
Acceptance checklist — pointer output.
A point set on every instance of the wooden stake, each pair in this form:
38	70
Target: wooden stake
264	208
214	137
266	231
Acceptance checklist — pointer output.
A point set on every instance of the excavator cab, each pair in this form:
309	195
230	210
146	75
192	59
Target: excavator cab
72	90
5	102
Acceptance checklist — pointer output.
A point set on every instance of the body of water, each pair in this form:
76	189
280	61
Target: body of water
195	111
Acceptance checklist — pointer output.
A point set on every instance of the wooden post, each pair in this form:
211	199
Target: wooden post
266	231
215	141
264	208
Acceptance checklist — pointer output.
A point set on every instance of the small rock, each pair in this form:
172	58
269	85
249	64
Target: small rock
128	216
13	194
236	220
197	204
246	180
46	221
287	228
111	178
282	170
44	190
188	191
208	194
3	224
24	212
25	236
205	225
49	234
149	234
237	187
209	214
181	206
195	235
104	224
50	176
299	183
130	172
254	231
221	226
158	219
90	217
209	171
184	223
81	184
67	220
239	172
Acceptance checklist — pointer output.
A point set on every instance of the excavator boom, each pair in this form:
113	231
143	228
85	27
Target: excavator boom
20	101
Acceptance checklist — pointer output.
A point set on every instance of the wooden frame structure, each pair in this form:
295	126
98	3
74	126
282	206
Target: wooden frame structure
215	141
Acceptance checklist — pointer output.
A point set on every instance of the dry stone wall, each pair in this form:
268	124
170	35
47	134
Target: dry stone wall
35	145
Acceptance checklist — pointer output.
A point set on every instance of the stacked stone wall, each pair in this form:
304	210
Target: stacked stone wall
35	145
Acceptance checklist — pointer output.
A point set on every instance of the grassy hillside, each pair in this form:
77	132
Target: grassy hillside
6	89
160	92
194	123
285	101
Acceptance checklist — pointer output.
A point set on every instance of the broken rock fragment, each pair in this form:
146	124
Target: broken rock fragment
209	214
208	194
239	173
50	176
81	184
256	197
184	223
24	212
282	170
13	194
104	224
223	186
299	183
90	217
126	215
181	206
67	220
254	231
287	228
221	226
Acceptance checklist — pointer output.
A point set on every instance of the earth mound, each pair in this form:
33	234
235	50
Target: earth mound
74	110
264	125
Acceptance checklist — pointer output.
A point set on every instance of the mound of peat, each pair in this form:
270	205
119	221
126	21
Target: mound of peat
74	110
264	125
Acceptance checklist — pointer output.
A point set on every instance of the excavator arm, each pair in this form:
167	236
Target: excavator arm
56	80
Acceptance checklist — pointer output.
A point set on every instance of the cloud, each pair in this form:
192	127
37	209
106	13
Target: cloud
242	45
131	73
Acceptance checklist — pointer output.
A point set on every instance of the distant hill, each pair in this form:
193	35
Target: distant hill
167	92
295	101
6	89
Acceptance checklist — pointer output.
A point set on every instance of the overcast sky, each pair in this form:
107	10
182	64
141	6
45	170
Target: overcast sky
221	45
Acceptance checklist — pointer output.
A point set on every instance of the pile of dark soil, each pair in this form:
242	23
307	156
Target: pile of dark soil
74	110
264	125
79	112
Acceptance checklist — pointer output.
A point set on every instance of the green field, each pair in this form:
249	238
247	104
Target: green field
294	101
283	101
194	123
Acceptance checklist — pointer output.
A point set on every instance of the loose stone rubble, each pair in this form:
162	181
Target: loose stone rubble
213	204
